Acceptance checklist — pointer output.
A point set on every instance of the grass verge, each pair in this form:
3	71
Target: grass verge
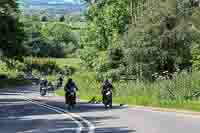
4	83
143	93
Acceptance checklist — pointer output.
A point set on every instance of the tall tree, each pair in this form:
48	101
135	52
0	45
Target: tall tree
62	18
11	30
162	41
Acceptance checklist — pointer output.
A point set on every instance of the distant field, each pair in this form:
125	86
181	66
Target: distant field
74	62
76	26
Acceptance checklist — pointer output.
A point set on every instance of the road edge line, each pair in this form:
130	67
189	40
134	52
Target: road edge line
58	111
91	126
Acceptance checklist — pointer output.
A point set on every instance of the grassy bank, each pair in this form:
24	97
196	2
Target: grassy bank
157	94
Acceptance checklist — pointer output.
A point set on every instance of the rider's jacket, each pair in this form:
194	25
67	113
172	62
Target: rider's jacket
60	78
44	83
106	87
70	87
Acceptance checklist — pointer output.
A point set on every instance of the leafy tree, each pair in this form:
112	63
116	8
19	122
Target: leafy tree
162	42
44	19
142	37
62	19
89	56
11	30
105	18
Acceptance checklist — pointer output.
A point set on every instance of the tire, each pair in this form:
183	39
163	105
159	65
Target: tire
43	92
105	105
71	102
110	105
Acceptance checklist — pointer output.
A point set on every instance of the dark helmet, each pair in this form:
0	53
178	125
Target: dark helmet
70	80
106	81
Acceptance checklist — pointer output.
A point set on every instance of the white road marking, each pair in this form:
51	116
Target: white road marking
60	112
30	131
91	126
62	129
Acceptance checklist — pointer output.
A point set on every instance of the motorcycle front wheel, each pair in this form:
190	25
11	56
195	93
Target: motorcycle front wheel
43	93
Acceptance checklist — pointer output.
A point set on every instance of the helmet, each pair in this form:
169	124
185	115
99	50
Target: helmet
70	80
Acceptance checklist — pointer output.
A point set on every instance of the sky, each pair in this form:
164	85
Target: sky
71	0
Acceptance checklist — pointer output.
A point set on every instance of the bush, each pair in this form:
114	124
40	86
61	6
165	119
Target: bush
50	49
68	70
45	66
88	56
113	74
3	77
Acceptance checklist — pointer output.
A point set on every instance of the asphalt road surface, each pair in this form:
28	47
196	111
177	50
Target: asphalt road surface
22	110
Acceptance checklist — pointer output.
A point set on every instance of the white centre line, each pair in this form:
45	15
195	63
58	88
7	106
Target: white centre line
66	113
72	115
63	112
78	130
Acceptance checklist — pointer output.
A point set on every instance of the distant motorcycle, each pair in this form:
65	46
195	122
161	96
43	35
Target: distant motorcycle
59	84
43	91
107	101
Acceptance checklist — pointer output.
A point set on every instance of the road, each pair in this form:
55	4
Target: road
22	110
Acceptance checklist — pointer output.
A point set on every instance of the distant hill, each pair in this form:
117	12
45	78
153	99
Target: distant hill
52	7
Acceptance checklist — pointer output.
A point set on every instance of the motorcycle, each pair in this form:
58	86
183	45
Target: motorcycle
71	99
50	88
107	100
43	91
58	84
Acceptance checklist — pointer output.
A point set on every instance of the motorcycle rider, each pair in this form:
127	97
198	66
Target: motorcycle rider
50	86
70	86
43	83
106	86
60	79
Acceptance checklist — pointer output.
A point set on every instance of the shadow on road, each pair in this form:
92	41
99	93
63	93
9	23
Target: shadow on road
9	94
27	117
114	130
97	121
80	107
18	108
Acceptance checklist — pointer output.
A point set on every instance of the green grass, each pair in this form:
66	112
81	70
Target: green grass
61	62
5	71
73	62
11	80
142	93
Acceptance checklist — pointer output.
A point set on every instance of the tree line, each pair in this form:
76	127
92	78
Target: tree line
141	38
131	38
28	35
